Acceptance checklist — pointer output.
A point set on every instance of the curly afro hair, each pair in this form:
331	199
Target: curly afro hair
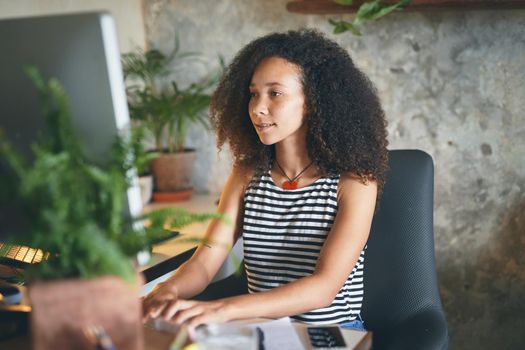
345	120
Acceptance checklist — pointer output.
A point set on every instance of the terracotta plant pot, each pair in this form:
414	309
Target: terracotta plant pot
173	171
64	310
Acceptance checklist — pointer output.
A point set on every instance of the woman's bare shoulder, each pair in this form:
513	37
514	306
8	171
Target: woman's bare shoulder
239	179
351	184
243	174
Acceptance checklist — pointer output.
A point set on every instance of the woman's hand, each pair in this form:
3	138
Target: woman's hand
161	302
195	313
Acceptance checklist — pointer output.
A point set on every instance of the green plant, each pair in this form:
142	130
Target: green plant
142	156
75	209
370	10
159	104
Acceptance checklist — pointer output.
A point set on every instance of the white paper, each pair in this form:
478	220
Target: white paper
279	334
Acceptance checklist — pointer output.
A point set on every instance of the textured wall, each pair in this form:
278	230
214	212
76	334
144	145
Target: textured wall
127	13
453	84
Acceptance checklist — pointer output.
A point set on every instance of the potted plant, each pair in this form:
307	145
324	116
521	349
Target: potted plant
74	211
166	111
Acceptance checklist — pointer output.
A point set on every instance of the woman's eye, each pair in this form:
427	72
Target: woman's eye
275	93
253	94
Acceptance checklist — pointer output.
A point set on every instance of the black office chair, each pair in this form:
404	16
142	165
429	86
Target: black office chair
401	305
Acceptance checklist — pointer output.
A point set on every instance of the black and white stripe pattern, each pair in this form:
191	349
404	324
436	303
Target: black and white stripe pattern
284	231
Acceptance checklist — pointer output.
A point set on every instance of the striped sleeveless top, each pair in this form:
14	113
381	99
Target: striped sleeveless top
283	233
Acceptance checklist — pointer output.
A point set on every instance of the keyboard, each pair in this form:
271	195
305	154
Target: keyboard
20	256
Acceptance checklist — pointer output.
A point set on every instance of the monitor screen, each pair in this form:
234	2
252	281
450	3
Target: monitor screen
81	51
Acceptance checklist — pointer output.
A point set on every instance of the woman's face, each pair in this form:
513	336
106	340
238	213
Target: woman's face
277	101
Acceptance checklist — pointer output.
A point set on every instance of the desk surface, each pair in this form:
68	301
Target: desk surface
199	203
157	340
168	255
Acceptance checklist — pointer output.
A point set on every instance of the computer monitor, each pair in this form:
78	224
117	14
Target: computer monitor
81	51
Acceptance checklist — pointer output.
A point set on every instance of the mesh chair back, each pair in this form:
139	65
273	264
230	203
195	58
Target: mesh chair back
400	274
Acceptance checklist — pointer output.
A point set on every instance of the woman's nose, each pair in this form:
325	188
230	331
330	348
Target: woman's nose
258	106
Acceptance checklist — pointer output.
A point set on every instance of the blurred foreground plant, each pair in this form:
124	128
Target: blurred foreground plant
74	209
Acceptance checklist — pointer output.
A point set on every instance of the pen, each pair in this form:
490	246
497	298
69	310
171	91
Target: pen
260	336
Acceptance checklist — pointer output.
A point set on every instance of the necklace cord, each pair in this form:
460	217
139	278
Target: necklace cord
297	176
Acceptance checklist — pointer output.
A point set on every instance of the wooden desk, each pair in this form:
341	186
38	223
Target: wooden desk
187	240
169	255
157	340
199	203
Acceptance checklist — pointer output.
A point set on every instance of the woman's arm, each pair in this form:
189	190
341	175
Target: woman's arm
193	277
338	257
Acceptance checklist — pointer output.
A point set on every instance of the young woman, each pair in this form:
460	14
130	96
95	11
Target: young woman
308	137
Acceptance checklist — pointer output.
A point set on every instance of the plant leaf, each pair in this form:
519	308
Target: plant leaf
344	2
368	11
343	26
374	10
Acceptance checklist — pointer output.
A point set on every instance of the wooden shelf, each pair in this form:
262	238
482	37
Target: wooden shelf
323	7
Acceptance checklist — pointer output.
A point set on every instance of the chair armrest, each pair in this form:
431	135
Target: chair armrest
232	285
167	265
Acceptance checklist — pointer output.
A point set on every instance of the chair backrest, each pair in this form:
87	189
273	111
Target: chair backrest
400	274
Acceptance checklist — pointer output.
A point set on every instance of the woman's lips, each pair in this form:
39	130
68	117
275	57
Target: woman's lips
263	126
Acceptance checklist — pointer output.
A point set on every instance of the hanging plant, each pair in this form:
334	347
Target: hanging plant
368	11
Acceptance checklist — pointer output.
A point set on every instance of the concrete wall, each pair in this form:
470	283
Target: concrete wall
453	84
127	14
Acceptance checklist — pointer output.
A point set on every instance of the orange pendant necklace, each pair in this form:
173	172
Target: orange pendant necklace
291	184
